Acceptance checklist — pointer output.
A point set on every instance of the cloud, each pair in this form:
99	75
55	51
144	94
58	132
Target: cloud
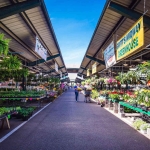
73	55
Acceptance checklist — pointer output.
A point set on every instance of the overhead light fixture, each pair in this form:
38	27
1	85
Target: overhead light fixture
132	66
132	69
143	62
138	59
114	72
125	64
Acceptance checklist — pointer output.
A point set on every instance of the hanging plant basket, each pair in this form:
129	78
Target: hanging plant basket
4	45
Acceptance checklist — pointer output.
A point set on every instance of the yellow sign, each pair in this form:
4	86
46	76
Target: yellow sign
94	68
131	41
88	72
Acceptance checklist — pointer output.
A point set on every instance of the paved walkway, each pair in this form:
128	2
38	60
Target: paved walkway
70	125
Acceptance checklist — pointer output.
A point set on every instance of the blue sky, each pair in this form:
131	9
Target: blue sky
74	22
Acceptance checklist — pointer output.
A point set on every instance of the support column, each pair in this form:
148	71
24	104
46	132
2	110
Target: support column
24	83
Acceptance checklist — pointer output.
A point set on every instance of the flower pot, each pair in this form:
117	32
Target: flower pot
143	131
25	118
148	131
18	116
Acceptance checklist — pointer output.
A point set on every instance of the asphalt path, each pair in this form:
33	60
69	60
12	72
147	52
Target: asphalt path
69	125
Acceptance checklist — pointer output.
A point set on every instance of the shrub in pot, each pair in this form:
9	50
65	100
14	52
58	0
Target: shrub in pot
137	124
143	128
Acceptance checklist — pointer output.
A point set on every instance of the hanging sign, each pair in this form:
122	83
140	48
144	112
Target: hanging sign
56	67
131	41
109	55
88	72
94	68
60	74
40	49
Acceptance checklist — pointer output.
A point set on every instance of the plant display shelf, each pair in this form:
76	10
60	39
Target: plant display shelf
4	118
114	100
17	98
125	104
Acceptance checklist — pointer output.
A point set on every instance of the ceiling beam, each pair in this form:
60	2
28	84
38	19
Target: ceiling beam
83	68
39	61
18	7
53	70
95	59
129	13
119	23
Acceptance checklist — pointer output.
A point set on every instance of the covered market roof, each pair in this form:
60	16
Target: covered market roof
117	17
24	20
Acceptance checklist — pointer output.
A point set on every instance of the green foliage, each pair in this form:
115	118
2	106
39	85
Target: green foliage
114	96
143	97
26	111
95	94
101	79
54	80
137	124
4	45
144	126
88	81
22	93
11	63
128	110
83	83
25	72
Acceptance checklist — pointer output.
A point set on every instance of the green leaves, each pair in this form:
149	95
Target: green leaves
4	45
11	63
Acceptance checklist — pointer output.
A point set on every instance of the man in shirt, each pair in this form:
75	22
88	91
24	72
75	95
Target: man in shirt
76	92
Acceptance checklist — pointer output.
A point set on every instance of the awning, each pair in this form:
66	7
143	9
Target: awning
116	19
23	20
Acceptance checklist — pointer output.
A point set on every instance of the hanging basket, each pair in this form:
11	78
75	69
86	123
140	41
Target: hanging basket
4	45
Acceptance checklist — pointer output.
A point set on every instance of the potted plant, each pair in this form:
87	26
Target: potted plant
137	123
4	45
143	128
101	101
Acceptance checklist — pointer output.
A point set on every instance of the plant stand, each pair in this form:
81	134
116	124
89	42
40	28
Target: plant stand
148	131
121	111
115	108
3	121
110	105
106	103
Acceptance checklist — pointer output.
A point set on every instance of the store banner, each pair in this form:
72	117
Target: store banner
88	72
56	67
60	74
94	68
109	55
40	49
131	41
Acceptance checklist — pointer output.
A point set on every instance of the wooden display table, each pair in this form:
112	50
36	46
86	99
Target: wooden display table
3	120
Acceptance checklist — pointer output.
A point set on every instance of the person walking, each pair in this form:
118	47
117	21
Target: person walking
76	92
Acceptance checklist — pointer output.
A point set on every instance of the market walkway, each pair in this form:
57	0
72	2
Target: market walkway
70	125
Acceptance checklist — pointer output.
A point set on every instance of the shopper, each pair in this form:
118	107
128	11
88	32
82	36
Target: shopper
66	87
76	92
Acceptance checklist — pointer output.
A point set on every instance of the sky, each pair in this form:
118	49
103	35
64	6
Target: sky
74	22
